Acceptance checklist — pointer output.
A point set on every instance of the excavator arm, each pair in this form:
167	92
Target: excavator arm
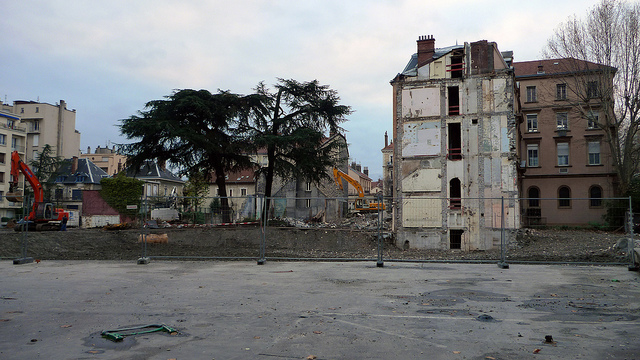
338	175
17	167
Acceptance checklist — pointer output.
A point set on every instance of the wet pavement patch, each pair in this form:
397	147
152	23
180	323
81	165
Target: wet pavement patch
486	318
96	341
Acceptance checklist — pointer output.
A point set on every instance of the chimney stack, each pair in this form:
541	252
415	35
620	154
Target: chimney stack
88	149
386	139
366	170
74	165
426	49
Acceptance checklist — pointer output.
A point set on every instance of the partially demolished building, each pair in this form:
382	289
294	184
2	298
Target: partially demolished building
455	153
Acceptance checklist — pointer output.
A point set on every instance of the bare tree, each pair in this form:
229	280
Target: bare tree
604	76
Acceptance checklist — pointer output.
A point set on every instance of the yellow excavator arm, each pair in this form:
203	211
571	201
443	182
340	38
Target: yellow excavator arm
338	175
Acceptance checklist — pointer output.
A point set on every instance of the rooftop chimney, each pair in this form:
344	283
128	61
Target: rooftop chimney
74	165
88	149
366	170
386	139
426	49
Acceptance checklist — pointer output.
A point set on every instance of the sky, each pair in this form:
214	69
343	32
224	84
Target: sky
106	59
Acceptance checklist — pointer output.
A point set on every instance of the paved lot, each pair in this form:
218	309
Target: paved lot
308	310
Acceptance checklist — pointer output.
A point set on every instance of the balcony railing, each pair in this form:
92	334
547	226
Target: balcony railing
14	127
454	154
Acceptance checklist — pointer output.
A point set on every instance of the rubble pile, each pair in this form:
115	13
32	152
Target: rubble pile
358	221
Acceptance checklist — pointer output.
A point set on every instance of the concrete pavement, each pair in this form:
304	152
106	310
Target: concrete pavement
318	310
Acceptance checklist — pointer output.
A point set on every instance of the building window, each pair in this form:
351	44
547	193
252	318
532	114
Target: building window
593	119
534	197
564	197
455	141
3	139
243	192
531	94
308	188
532	122
21	110
454	100
455	194
594	152
76	194
562	120
58	194
595	196
532	155
1	177
10	123
1	196
563	154
14	144
592	89
230	192
2	158
455	239
561	92
308	203
36	140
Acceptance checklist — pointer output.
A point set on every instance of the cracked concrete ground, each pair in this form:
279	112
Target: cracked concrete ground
318	310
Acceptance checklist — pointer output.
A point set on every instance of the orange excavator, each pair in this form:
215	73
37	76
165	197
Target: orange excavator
43	216
338	175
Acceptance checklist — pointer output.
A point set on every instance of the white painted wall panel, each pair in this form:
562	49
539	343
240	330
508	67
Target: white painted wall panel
421	139
422	212
421	102
422	180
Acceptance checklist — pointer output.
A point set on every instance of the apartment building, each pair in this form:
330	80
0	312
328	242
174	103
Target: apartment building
106	159
13	137
49	124
361	175
455	147
563	151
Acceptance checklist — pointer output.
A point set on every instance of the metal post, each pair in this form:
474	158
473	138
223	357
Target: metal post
379	199
631	241
503	263
263	238
145	231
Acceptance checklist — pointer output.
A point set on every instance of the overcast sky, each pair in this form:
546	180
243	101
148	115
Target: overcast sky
106	59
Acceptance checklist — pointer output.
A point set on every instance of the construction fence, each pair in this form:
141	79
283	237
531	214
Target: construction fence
411	229
381	230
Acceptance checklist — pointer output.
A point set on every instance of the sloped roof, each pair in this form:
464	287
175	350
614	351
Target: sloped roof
86	173
151	170
555	67
246	176
360	173
412	66
388	147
